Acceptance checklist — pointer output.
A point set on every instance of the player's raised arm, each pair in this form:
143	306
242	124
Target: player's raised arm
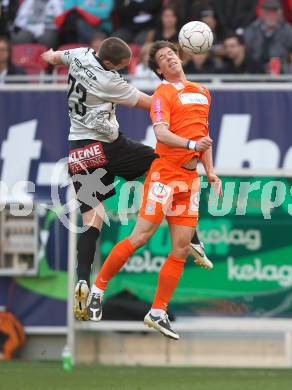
62	57
119	91
52	57
144	101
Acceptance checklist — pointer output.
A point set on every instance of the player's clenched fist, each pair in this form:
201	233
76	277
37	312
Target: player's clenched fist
204	144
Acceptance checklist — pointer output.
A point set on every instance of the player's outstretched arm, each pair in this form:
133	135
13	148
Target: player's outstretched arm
52	57
165	136
144	101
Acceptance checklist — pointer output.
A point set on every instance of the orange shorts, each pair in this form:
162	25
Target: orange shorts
170	191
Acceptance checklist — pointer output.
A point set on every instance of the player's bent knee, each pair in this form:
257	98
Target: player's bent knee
139	240
180	252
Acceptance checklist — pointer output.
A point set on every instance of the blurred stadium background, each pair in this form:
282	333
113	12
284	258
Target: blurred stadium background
238	314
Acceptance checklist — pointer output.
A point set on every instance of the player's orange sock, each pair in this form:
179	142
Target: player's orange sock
114	262
169	276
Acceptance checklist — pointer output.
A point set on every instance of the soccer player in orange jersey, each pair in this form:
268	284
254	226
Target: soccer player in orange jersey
179	113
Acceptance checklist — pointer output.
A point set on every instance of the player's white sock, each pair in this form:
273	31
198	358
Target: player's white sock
157	312
96	290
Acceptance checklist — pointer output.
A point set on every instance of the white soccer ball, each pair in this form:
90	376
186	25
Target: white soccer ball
195	37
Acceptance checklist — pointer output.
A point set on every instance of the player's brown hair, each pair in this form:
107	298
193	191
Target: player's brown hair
154	49
114	50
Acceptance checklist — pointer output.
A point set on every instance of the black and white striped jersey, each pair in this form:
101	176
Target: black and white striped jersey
93	92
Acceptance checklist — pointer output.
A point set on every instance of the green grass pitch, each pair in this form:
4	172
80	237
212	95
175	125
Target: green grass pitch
50	376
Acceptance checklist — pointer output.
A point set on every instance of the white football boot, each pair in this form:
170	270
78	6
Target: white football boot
197	252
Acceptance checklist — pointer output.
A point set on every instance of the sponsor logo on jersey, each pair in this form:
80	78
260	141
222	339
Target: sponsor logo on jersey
77	63
158	114
193	98
159	192
89	74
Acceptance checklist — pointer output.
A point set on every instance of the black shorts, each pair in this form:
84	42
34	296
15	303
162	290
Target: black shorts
93	166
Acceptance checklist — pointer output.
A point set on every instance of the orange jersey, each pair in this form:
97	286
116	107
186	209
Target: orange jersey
184	107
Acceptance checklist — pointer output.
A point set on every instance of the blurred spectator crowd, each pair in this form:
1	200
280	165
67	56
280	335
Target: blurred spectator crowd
250	36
